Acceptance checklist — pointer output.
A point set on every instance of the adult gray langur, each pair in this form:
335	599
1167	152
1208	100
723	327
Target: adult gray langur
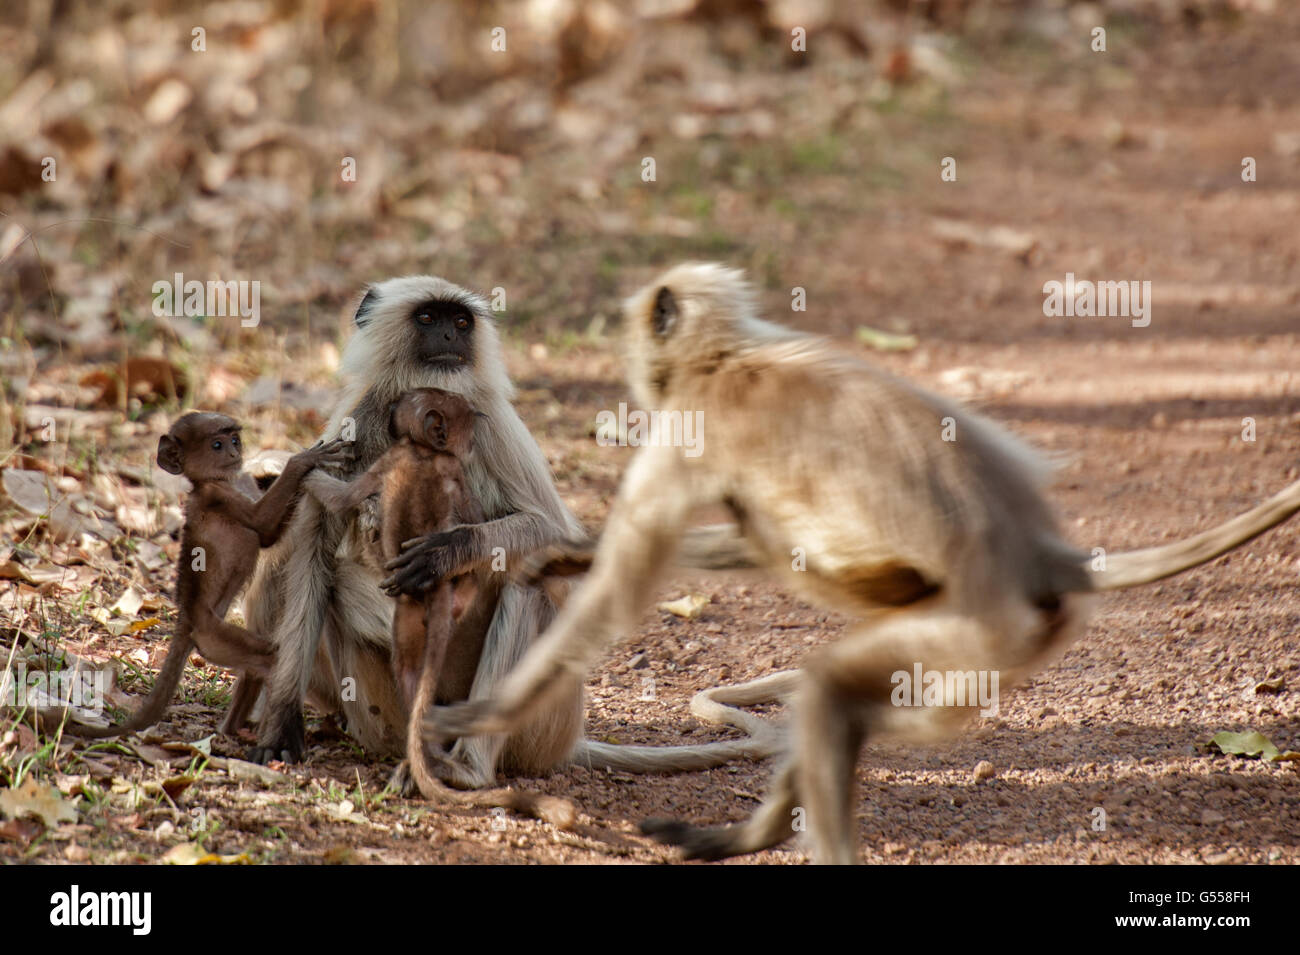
318	594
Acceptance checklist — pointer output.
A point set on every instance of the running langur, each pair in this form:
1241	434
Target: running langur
224	530
839	476
422	489
318	591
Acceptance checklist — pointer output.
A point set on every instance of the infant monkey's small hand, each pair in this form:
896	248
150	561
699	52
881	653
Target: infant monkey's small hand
327	454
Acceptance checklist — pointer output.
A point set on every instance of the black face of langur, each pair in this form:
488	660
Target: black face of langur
442	329
446	333
415	332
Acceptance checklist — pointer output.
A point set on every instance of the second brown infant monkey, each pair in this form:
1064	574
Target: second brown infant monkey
224	532
422	490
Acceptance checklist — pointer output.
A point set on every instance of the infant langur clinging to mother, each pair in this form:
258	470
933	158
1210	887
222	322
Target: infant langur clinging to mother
423	490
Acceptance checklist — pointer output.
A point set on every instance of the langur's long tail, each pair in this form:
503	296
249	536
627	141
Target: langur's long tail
1155	563
164	690
553	809
717	705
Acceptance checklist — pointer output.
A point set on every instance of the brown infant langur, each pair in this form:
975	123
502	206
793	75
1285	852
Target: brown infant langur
423	489
925	521
223	533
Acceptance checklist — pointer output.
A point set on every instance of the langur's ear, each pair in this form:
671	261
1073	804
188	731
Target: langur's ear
392	420
435	430
169	454
664	317
368	302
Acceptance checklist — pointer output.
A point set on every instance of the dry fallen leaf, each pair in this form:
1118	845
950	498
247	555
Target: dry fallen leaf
114	625
19	172
31	492
198	747
27	489
36	799
137	519
73	580
688	607
173	786
252	772
38	575
70	784
1252	744
191	853
129	604
167	100
149	556
21	831
148	378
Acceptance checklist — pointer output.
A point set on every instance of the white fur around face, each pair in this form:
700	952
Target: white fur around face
380	350
508	469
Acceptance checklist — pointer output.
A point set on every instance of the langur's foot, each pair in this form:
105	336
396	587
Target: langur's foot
708	845
402	782
284	737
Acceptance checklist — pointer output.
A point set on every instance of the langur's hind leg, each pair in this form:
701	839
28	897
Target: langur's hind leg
522	613
409	639
247	689
848	693
354	671
829	734
771	824
811	791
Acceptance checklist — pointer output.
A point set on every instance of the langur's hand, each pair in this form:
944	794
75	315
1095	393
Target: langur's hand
322	454
471	718
426	560
329	454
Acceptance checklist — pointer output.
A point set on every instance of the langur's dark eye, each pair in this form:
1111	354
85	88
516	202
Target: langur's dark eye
424	318
234	441
216	445
462	323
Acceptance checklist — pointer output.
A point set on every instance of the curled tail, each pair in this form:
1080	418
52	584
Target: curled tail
164	689
1155	563
718	706
553	809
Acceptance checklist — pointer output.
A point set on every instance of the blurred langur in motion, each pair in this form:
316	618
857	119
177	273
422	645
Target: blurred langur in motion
922	519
